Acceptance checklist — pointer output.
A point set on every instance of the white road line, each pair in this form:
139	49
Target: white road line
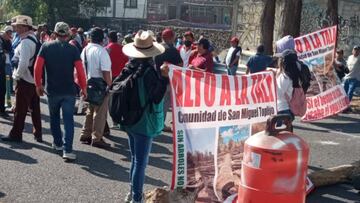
325	129
341	199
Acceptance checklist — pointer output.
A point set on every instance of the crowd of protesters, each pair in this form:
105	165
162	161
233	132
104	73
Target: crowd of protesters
72	59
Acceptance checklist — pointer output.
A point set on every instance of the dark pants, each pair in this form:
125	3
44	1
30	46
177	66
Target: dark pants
2	87
25	97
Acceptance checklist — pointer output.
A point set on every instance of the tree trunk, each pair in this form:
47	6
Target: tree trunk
332	13
267	25
291	20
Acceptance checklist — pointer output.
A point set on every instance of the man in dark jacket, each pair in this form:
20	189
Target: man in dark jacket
172	56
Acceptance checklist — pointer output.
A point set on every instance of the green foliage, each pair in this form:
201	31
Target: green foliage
45	10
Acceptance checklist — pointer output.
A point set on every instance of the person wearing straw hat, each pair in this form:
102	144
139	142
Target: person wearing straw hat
151	123
25	94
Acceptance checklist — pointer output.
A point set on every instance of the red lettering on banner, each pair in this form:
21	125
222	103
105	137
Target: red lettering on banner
334	34
244	87
253	83
270	84
328	39
225	98
210	89
323	36
307	44
177	83
299	48
258	92
188	101
316	102
317	40
240	96
198	76
313	42
309	103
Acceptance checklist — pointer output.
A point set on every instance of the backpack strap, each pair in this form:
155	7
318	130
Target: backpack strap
36	44
148	100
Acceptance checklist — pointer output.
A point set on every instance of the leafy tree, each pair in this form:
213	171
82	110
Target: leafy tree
49	11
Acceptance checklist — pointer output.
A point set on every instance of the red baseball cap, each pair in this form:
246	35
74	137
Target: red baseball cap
167	33
73	30
189	33
234	39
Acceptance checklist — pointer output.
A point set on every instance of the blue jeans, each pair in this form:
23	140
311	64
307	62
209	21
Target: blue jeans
140	147
350	86
66	104
232	70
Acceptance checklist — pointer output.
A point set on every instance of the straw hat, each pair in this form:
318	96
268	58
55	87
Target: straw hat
143	46
22	20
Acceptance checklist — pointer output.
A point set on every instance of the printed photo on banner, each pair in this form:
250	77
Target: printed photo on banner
230	148
200	152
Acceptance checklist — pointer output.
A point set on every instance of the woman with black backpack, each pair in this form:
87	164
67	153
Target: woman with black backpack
137	104
291	98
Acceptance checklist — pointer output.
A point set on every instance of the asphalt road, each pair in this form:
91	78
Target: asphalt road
32	172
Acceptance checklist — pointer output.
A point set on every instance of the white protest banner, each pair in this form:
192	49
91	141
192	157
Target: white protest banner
213	115
326	96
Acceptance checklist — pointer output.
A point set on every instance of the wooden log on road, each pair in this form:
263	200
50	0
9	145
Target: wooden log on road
335	175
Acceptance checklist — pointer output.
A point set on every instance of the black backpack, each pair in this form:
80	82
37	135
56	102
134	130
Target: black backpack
38	46
305	76
124	105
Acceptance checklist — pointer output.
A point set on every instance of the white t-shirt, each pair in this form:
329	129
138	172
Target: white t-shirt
185	56
353	64
229	54
22	54
98	60
284	87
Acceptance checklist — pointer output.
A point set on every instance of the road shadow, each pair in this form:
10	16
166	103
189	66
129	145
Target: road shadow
349	127
2	194
121	146
164	138
46	118
334	194
11	155
106	168
309	129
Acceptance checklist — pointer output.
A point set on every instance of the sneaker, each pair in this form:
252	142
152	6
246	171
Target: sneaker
167	129
141	201
100	144
57	148
85	139
38	139
128	198
69	156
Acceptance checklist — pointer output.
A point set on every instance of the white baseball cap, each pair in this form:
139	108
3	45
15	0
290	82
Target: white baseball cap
8	28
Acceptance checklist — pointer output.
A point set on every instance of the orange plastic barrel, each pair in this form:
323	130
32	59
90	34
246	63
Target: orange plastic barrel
274	167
